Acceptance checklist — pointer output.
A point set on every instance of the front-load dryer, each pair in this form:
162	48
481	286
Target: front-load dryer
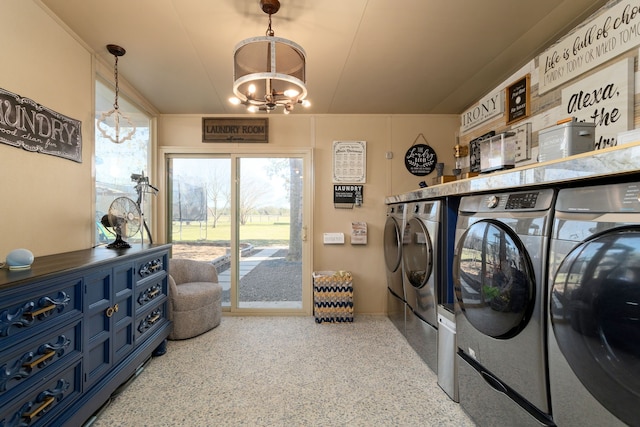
594	300
392	244
499	277
420	250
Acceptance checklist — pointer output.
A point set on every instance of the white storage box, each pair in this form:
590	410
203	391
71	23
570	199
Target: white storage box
498	152
628	137
565	140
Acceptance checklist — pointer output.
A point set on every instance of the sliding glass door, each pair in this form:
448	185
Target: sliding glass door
246	215
269	232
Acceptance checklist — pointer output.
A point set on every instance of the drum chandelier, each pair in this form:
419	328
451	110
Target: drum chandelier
269	71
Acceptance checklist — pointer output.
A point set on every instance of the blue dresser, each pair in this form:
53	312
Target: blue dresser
76	326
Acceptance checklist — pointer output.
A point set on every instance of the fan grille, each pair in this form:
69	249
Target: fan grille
124	216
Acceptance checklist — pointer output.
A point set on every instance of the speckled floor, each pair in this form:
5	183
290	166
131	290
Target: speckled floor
287	371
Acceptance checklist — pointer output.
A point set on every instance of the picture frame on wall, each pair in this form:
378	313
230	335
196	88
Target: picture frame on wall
349	162
518	96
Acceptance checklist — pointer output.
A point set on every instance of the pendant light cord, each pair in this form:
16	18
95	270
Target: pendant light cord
269	32
115	73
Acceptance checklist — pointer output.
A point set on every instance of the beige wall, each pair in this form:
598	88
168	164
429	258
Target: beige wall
383	133
47	201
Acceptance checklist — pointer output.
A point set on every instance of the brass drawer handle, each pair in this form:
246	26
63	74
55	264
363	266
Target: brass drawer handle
48	355
154	319
154	292
43	310
47	402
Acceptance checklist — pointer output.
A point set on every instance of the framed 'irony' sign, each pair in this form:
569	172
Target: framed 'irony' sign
235	130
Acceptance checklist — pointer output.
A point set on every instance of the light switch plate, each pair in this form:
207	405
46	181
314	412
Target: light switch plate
333	238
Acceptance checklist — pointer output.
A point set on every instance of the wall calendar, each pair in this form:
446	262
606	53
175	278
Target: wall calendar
349	162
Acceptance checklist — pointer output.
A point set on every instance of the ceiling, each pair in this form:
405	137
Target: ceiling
363	56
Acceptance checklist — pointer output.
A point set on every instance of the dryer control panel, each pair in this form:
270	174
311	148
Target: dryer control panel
522	201
537	200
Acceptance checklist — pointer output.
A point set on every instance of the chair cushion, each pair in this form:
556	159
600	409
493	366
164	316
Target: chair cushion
194	295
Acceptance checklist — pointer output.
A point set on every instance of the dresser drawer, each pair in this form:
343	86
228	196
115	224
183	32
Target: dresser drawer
151	266
150	292
150	320
37	308
42	403
41	355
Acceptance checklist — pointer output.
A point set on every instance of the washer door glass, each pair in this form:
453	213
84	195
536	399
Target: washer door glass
417	253
392	244
494	280
595	316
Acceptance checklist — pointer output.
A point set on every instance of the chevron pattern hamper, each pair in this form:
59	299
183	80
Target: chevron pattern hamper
332	296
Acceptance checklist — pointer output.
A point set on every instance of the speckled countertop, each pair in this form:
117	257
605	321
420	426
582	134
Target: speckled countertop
607	163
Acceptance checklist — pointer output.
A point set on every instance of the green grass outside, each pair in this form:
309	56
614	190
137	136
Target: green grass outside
257	233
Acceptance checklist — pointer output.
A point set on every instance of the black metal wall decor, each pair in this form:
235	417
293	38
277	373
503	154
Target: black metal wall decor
420	159
25	123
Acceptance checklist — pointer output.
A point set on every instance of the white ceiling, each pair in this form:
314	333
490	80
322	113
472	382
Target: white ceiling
363	56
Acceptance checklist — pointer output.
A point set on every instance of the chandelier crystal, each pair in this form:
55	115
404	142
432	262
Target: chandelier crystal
269	71
113	124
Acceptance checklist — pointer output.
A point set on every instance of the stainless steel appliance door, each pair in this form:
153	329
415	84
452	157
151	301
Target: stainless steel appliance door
494	279
392	242
418	261
595	316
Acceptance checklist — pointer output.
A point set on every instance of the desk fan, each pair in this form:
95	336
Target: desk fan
124	219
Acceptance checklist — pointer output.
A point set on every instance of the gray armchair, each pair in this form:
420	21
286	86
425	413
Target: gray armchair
195	298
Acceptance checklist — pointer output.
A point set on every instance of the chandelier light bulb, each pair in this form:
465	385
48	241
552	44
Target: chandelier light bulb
234	100
291	93
252	88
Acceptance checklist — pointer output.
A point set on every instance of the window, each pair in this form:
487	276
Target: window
116	163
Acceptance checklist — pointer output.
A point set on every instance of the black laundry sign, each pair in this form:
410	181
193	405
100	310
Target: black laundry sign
27	124
345	195
420	159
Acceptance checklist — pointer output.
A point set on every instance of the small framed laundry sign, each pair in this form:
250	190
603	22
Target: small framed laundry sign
216	129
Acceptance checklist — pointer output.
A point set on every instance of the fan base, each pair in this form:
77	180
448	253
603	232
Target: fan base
118	244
